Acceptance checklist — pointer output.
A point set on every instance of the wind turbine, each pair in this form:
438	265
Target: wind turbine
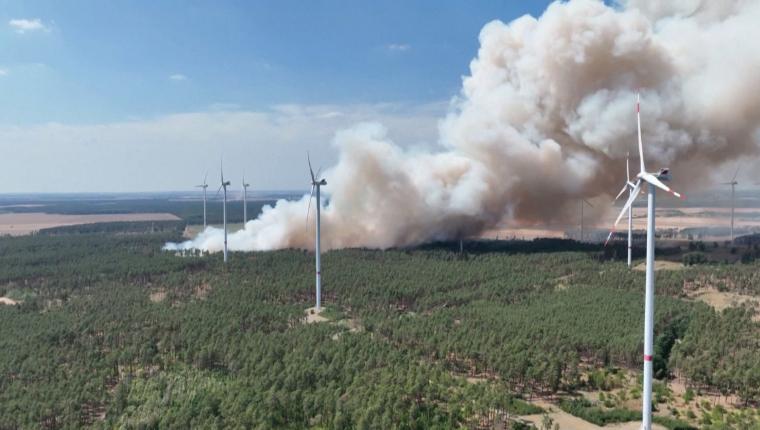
628	186
224	185
583	202
653	181
316	182
204	185
733	184
245	203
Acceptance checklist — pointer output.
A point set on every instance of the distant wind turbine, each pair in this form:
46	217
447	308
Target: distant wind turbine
316	183
733	184
204	185
583	203
245	201
653	181
628	186
224	186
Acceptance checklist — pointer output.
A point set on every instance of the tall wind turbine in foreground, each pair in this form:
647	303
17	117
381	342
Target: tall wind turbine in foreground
245	201
224	185
204	185
653	181
583	202
316	182
733	184
628	186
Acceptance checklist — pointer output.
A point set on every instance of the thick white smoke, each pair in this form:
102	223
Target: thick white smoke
545	117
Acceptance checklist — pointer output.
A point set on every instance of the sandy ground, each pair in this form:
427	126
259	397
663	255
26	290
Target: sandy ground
723	300
312	316
16	224
660	265
7	301
667	218
158	296
570	422
679	388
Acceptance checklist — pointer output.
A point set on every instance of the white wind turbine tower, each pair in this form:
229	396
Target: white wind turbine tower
224	186
653	181
316	182
628	186
204	185
245	201
583	202
733	184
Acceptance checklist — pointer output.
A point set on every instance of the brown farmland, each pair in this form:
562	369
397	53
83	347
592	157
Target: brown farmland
17	224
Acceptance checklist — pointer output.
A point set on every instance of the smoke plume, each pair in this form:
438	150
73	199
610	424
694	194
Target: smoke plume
545	117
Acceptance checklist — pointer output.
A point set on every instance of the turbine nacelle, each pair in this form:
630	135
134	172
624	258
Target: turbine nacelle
315	184
662	175
643	176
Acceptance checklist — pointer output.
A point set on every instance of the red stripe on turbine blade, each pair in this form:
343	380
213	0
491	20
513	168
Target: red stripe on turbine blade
647	357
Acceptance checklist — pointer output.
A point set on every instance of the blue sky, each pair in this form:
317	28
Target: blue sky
89	63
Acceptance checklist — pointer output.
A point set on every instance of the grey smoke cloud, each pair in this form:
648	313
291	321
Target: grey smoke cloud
544	118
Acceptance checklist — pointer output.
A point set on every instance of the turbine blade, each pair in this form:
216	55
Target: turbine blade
628	204
319	171
627	168
205	177
587	202
735	174
652	179
308	208
625	187
311	171
638	124
217	191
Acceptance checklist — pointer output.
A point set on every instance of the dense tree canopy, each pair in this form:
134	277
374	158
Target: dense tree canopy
112	332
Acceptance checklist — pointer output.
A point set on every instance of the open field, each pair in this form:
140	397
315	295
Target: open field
667	218
186	206
15	224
